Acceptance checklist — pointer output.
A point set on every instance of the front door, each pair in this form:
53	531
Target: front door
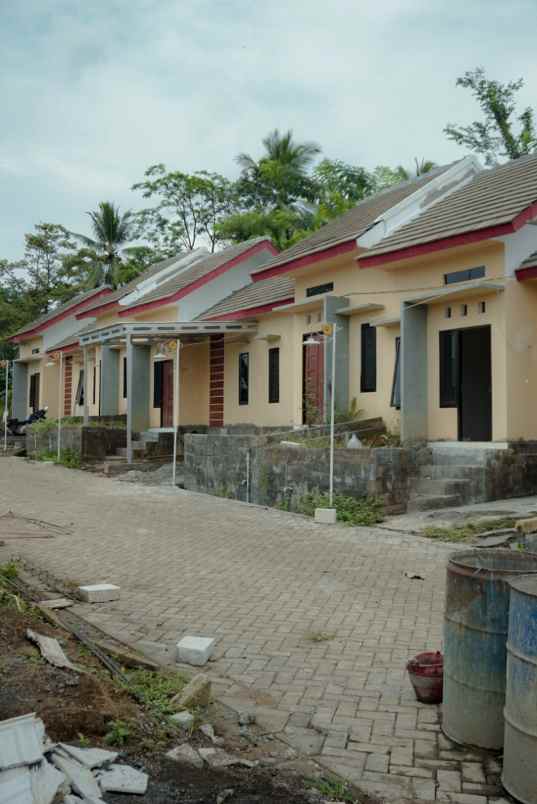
475	384
166	411
313	380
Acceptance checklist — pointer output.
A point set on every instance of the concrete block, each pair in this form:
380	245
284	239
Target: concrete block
184	720
195	650
99	592
122	779
325	516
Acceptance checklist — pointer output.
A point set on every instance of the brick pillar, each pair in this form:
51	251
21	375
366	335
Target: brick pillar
216	381
67	385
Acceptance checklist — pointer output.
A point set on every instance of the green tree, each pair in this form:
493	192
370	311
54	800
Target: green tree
283	226
339	186
189	208
502	132
42	265
111	230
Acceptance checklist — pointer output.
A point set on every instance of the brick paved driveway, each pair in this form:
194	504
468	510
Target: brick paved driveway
268	584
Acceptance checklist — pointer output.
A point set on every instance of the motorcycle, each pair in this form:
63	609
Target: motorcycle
17	427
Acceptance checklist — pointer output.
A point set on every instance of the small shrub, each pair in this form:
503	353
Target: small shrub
350	510
351	414
118	733
330	789
468	531
155	690
9	570
69	457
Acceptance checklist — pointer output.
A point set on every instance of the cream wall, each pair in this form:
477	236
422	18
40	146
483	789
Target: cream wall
519	332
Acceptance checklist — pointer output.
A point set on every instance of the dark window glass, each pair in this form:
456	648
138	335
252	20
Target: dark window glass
368	378
158	373
449	368
274	375
124	378
395	400
94	395
244	377
318	289
34	391
465	276
79	397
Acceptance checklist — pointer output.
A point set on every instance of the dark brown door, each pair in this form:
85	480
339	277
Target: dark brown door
475	390
166	417
313	380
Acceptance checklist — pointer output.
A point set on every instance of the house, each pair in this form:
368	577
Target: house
431	288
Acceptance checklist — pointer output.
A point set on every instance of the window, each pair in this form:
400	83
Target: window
316	290
158	373
482	307
464	276
368	378
244	377
124	378
464	309
34	392
79	396
35	351
448	312
94	394
274	375
449	368
395	400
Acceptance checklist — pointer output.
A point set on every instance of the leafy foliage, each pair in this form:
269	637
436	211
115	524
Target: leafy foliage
118	733
501	132
468	531
111	230
350	510
155	690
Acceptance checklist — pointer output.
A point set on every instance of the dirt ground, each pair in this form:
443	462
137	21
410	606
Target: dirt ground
79	707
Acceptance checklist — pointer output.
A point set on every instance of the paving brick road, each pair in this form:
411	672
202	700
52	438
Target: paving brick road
317	622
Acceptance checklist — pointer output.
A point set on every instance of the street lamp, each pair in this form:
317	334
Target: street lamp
328	515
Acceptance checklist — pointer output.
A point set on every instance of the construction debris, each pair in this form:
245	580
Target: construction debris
67	774
57	603
99	592
196	693
50	650
208	730
185	753
195	650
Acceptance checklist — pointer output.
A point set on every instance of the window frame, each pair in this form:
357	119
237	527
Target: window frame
124	389
244	378
448	368
318	290
368	358
395	396
274	375
465	275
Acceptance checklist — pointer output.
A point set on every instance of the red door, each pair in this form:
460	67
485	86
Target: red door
167	394
313	380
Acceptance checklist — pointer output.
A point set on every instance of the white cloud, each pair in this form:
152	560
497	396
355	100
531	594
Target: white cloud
94	93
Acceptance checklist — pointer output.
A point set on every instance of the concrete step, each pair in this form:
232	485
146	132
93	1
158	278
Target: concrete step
455	471
475	456
430	502
426	485
137	447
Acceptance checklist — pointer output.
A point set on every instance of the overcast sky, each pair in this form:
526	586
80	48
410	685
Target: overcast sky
92	93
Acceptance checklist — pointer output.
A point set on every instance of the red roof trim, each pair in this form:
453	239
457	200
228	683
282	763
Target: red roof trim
203	280
307	259
71	347
65	314
96	311
248	312
450	242
523	274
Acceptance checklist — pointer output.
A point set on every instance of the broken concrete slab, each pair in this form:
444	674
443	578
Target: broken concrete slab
50	650
99	592
80	778
185	753
196	693
46	780
57	603
16	786
123	779
306	741
21	741
497	538
218	758
195	650
208	730
89	757
184	720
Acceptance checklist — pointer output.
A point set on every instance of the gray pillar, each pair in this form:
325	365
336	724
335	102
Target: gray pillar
109	381
331	304
413	347
85	352
138	366
19	403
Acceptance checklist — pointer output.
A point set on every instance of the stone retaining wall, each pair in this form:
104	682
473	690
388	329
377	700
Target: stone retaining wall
91	443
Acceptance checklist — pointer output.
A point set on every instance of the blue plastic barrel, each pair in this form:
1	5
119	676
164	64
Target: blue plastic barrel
475	637
520	745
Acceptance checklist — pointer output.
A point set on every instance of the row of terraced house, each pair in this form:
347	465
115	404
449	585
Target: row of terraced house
431	286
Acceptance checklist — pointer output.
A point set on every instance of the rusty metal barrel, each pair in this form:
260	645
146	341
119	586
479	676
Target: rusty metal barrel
520	743
475	637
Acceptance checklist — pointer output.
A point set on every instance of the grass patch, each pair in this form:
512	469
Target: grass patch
118	733
155	690
333	790
468	531
319	636
351	511
69	457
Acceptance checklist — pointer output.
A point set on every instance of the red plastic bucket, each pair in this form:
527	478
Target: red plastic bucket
426	672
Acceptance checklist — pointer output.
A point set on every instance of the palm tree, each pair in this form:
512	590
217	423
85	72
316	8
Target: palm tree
111	230
282	171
